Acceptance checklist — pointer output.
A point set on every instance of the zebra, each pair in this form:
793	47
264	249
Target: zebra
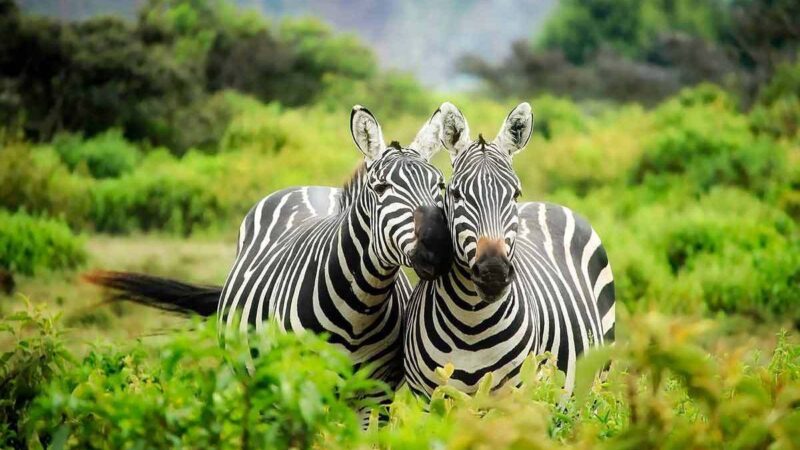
328	260
526	277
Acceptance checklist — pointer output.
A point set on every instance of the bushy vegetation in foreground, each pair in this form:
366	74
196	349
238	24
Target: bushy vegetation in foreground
664	390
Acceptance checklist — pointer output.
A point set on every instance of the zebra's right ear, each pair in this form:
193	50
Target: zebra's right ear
516	130
454	134
366	133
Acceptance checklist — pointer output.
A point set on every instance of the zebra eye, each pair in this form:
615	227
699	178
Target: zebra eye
441	186
455	193
381	188
517	193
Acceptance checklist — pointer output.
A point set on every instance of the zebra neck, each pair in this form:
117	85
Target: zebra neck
457	288
456	293
361	278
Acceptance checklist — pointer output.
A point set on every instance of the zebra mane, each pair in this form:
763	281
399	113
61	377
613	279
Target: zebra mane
351	187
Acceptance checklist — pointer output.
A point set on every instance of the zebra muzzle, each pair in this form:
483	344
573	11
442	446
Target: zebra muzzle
492	272
433	252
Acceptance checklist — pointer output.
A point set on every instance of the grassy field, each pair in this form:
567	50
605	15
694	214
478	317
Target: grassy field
85	314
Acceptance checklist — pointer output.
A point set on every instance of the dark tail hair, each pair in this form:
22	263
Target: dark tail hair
157	292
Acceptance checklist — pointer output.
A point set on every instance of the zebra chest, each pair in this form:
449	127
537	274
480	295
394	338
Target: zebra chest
493	338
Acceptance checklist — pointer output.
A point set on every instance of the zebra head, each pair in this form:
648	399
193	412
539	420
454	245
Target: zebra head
404	194
481	199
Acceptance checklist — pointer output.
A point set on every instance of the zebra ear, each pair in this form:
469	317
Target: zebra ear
454	129
366	133
428	141
516	130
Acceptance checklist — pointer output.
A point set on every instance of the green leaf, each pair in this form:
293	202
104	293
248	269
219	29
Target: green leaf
588	366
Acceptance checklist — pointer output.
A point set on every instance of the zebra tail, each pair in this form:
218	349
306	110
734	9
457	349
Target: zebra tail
162	293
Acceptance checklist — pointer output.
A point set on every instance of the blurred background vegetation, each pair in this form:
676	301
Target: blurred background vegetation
138	141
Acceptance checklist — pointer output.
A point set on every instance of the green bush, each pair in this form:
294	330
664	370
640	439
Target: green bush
555	116
189	392
256	126
777	112
710	144
664	389
35	180
106	155
37	356
163	194
29	244
578	151
201	125
387	95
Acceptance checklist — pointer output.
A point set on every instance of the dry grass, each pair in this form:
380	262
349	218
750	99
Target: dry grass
82	306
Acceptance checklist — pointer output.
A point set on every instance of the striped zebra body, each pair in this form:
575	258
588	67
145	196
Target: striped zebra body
328	260
526	278
561	301
306	265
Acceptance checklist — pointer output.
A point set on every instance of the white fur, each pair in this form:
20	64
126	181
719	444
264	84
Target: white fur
516	130
366	133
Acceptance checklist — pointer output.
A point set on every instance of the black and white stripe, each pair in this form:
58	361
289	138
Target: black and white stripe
526	277
328	260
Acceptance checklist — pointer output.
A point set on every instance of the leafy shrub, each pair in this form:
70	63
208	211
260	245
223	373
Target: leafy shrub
557	116
201	125
256	127
299	392
29	244
106	155
35	180
580	152
387	95
172	197
777	112
664	389
709	144
36	356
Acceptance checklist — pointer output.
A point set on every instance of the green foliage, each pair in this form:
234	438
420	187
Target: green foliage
388	94
299	392
161	195
665	388
29	244
201	125
645	51
90	76
557	116
710	144
289	64
106	155
578	30
36	356
155	79
778	110
581	28
35	180
257	127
